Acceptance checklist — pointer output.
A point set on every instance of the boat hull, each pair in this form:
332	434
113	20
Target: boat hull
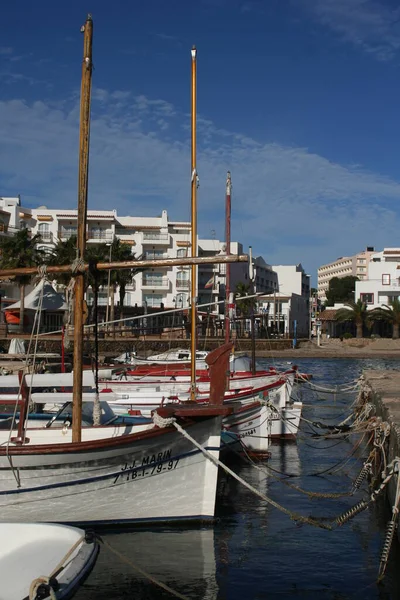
161	477
31	551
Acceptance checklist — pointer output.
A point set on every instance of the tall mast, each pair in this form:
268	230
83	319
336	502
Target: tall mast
228	251
79	289
193	307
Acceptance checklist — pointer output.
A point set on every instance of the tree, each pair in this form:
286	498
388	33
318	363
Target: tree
390	314
63	253
341	289
357	313
121	278
21	251
245	305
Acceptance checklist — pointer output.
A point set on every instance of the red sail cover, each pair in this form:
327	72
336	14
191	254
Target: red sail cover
218	362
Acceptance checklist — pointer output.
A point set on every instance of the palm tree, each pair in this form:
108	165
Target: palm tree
20	251
121	278
389	313
63	253
356	312
245	305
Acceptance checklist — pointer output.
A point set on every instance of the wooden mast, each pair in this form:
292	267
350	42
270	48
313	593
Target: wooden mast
79	289
228	251
193	299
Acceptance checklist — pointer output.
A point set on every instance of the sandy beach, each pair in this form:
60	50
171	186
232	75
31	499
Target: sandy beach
334	348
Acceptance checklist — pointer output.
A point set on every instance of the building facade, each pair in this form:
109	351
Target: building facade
344	266
383	283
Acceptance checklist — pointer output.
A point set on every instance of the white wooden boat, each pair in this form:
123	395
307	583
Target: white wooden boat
175	356
117	475
153	475
36	558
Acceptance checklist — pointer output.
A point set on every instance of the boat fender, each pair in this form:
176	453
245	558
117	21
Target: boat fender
66	426
44	588
90	536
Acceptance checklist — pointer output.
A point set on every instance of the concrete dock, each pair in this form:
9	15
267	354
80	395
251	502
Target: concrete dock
382	389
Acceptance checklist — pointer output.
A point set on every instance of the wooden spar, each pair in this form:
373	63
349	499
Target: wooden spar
193	302
79	289
228	251
131	264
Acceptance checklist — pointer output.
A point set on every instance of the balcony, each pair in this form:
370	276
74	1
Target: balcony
66	234
99	235
155	283
155	255
182	284
46	236
155	237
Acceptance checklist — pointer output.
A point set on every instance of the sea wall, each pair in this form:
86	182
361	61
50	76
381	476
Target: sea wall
382	390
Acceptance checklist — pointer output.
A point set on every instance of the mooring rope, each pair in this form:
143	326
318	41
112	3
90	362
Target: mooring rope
142	572
49	581
160	422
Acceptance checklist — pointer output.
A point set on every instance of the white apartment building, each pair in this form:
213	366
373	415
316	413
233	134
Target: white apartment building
287	310
383	283
344	266
149	237
293	280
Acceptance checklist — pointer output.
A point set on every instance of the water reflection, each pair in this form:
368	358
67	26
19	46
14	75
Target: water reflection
255	551
184	560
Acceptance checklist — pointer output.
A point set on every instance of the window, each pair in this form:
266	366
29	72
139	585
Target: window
181	253
385	279
361	261
154	300
181	300
367	298
44	231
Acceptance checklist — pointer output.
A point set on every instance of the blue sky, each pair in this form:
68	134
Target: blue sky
298	98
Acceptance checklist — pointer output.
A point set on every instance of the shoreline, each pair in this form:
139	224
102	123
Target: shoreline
325	354
333	348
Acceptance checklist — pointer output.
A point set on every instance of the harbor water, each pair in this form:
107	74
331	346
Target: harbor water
255	550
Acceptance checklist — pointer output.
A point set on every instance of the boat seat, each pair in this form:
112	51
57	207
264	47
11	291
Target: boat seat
6	423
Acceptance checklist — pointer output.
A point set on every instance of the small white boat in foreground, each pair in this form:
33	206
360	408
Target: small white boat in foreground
42	561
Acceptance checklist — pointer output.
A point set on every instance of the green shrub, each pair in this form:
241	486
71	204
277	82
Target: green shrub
347	335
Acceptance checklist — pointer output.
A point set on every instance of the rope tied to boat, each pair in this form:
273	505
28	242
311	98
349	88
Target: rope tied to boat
151	578
299	519
49	584
43	587
392	525
42	271
77	266
162	422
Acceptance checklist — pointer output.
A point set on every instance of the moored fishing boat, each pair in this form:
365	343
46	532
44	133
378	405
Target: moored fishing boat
162	473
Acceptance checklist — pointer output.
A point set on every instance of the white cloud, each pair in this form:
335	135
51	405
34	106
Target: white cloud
290	204
369	24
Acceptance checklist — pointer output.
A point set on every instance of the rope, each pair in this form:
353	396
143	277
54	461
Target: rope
36	326
294	516
50	580
391	526
42	271
142	572
77	266
37	584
